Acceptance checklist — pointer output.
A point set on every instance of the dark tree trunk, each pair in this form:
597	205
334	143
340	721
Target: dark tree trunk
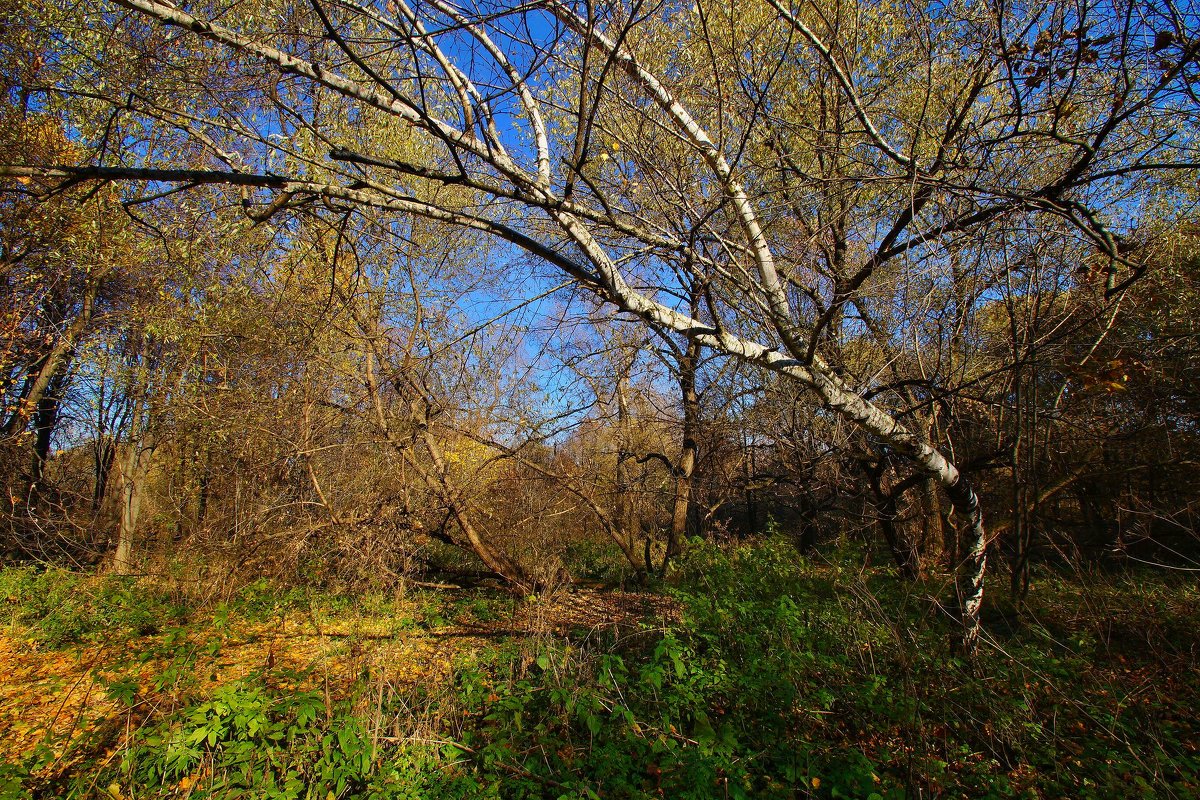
45	420
685	468
53	364
887	508
104	451
203	488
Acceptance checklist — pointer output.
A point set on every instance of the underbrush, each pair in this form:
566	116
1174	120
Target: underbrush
57	607
782	678
253	739
786	679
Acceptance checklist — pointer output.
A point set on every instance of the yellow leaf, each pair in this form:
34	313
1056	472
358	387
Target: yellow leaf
114	791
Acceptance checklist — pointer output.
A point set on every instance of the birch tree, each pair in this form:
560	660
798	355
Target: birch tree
793	161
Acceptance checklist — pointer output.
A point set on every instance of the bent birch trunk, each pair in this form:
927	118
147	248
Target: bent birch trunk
598	271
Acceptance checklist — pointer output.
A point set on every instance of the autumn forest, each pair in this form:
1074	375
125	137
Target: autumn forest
457	399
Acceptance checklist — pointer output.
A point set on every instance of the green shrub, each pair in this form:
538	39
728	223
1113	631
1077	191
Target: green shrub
783	678
264	598
252	741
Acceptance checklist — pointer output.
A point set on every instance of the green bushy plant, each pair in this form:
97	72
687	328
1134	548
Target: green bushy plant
263	598
789	679
250	740
782	678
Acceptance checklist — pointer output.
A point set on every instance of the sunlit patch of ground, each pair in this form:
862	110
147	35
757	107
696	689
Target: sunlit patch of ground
56	696
48	694
59	696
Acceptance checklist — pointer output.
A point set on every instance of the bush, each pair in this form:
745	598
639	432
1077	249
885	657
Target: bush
597	559
783	678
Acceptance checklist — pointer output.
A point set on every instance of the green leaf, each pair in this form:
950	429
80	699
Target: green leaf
702	729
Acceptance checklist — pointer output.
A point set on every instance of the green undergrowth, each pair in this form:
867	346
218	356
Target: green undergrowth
782	678
57	607
787	680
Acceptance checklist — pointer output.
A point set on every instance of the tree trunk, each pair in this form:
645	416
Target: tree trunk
748	475
933	531
203	488
45	420
53	364
971	570
887	508
104	450
622	513
686	466
134	468
135	465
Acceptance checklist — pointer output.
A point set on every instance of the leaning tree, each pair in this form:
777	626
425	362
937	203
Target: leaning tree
798	169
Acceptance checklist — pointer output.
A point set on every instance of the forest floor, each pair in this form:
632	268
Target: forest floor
755	675
60	692
57	694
